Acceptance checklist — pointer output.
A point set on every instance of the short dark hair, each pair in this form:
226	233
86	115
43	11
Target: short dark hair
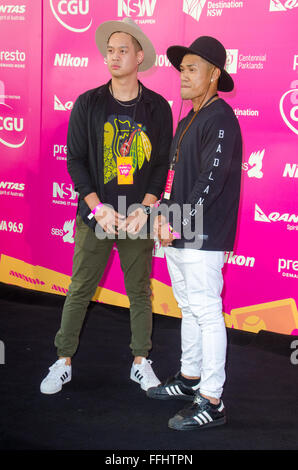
135	42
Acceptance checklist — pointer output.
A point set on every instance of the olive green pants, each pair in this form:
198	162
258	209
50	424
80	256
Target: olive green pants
89	262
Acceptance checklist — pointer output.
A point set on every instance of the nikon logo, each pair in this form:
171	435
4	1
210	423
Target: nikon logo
66	60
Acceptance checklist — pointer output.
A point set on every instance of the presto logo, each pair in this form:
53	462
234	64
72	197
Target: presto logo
71	14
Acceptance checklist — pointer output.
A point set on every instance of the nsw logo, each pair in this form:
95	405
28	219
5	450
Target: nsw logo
278	5
138	8
73	15
288	107
11	127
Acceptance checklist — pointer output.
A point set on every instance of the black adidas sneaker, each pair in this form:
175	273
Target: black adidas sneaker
201	414
173	387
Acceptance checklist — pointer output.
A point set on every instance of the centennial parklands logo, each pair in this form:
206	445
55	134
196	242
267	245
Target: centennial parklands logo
282	5
232	61
288	107
73	15
11	128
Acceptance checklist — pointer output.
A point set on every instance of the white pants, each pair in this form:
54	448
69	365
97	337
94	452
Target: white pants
197	284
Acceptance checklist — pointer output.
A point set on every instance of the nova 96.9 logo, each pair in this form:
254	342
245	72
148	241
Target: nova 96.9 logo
288	107
11	127
73	15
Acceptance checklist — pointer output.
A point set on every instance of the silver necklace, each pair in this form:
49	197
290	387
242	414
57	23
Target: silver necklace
127	105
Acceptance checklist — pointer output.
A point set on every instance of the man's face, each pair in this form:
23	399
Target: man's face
122	58
195	76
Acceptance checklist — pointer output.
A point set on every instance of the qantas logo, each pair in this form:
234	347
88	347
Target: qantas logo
71	14
13	9
59	106
260	216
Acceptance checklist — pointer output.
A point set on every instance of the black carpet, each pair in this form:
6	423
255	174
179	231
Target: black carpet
102	409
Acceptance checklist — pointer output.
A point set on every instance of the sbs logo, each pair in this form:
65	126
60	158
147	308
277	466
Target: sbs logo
69	14
288	107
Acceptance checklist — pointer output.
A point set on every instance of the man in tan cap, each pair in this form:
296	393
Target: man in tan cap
118	142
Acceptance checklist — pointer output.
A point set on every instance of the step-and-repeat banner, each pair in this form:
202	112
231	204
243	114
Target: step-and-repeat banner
48	57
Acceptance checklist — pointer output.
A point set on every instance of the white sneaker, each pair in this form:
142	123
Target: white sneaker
59	375
144	375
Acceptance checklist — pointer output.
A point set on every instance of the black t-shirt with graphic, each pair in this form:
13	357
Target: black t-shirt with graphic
126	152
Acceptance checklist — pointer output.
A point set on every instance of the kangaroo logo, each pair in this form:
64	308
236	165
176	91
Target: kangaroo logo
69	229
256	161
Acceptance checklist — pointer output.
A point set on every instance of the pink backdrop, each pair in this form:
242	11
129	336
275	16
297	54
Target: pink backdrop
48	57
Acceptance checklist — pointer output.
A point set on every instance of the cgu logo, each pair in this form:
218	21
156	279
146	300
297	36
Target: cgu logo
136	7
288	107
9	125
64	191
71	11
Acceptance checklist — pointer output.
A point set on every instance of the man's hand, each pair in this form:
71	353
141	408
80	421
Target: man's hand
108	219
134	222
161	230
165	236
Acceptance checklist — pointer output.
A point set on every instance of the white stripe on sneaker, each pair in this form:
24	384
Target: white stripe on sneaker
221	406
207	416
196	387
169	391
198	420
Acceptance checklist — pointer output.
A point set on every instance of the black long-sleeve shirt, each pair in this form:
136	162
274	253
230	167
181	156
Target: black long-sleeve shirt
208	175
85	145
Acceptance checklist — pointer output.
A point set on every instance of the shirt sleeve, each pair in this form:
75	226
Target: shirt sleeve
160	166
77	149
216	148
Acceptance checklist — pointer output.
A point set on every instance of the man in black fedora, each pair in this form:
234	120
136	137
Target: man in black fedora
204	178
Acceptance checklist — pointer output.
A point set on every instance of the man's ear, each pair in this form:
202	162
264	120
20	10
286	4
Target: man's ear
140	57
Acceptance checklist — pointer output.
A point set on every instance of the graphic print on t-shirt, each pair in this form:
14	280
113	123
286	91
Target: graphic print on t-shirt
123	138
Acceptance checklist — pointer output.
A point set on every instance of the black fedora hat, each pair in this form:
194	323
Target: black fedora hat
209	49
